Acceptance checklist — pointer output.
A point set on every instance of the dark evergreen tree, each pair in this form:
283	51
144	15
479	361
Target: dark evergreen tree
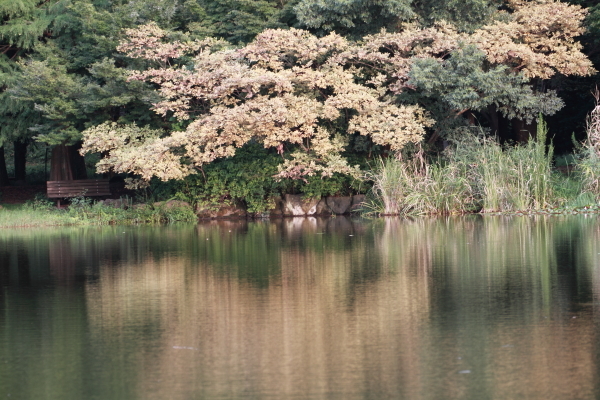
239	21
76	79
25	24
355	18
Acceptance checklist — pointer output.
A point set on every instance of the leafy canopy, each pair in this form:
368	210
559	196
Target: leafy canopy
289	90
304	96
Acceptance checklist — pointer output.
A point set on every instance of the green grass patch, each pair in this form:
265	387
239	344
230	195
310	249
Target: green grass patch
12	216
83	211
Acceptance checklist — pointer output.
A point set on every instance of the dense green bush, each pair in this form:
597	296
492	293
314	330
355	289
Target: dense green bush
248	177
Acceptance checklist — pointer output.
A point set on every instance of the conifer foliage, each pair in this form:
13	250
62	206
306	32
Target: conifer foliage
24	24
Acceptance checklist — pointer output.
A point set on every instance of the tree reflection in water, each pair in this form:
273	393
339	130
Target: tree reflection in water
307	308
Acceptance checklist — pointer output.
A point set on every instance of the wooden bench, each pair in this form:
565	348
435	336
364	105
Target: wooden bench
78	187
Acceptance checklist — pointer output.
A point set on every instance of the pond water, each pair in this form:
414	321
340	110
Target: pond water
458	308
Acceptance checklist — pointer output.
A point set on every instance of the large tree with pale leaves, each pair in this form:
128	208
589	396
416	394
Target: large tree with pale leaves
288	90
305	96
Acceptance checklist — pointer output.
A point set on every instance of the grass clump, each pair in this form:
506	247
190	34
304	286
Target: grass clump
83	211
512	178
12	217
475	174
414	187
589	154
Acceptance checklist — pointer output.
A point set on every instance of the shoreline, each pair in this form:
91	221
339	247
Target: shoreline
23	216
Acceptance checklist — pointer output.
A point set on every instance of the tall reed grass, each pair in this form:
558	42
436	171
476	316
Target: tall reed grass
408	187
589	155
512	178
475	173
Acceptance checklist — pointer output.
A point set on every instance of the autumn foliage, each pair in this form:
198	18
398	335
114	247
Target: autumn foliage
307	97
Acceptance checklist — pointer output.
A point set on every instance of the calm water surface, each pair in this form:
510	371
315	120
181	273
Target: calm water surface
458	308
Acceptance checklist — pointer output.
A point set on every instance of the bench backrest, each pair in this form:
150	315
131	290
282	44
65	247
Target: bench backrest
78	187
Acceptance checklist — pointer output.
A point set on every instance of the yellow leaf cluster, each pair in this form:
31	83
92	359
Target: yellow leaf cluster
133	149
392	125
287	90
539	40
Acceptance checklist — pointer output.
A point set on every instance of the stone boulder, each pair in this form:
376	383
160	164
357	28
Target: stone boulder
323	208
339	205
236	210
357	202
297	205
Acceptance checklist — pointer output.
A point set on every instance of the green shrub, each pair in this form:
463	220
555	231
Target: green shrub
248	177
316	186
39	202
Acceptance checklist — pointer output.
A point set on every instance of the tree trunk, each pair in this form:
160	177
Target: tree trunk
20	162
494	120
77	162
523	132
3	171
499	124
67	164
60	164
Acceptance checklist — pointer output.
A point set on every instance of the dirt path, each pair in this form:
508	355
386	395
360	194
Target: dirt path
20	194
